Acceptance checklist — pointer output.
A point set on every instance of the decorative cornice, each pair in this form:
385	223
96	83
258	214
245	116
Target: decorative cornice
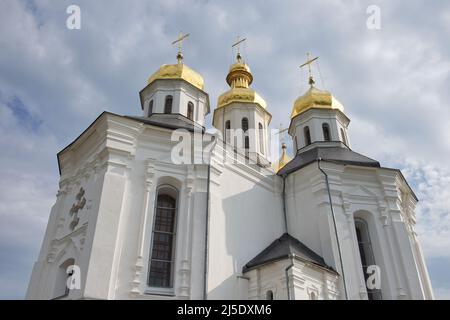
384	213
149	173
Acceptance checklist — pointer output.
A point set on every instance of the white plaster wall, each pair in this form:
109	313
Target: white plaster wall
82	168
246	217
269	277
120	162
303	225
302	278
235	112
314	119
182	94
151	167
307	279
113	245
374	194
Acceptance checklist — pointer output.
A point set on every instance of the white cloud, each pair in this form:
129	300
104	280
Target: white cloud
442	293
433	210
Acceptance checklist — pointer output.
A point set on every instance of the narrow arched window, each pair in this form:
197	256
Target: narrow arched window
312	296
227	130
150	108
261	138
168	104
190	110
307	136
344	140
244	124
366	254
326	132
246	143
163	241
269	295
295	143
62	276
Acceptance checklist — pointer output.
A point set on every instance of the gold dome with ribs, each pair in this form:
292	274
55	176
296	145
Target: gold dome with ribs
315	99
284	159
239	79
178	71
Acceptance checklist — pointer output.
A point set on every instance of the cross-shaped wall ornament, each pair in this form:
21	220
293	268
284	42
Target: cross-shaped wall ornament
78	205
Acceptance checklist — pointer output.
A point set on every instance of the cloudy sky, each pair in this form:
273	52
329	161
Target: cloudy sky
394	83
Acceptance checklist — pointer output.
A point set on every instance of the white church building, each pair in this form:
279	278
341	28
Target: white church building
129	222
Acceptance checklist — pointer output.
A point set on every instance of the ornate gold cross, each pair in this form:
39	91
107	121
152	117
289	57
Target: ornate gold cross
180	39
237	44
308	63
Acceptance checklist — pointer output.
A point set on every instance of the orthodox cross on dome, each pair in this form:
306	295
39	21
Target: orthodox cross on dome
281	132
237	44
78	205
179	41
308	63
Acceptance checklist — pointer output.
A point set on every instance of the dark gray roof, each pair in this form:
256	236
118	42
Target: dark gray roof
282	248
331	154
169	121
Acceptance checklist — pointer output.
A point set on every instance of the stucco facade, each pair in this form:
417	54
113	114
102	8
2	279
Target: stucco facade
240	229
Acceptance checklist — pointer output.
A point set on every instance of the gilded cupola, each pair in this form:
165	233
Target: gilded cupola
240	110
317	118
284	159
239	79
175	89
315	99
178	71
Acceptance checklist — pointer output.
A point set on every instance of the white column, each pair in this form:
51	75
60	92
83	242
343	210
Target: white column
426	283
362	290
400	292
148	204
185	269
99	273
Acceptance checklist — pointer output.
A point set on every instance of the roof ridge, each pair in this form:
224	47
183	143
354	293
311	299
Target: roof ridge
283	247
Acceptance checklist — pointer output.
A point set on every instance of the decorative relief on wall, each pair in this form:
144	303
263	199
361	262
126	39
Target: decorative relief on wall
52	251
61	222
77	239
77	206
82	240
346	206
384	213
190	180
149	166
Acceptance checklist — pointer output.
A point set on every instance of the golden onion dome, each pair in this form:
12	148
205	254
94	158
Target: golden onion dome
284	159
243	95
315	99
178	71
239	75
239	79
